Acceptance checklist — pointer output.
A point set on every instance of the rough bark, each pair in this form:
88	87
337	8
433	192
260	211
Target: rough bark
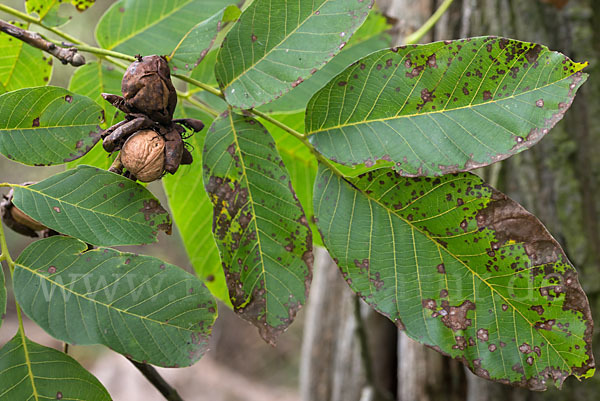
332	367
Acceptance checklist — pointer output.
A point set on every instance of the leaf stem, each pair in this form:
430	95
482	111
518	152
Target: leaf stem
417	35
157	381
302	138
199	84
188	98
5	257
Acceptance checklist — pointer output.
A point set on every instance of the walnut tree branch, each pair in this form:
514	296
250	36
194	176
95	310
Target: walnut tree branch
65	55
157	381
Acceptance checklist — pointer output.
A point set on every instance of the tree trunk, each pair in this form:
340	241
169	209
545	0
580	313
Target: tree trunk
333	361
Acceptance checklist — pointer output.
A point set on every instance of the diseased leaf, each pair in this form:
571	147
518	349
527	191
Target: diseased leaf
299	161
151	26
137	305
31	371
463	269
44	7
443	107
47	125
197	42
192	212
21	65
277	44
259	226
96	206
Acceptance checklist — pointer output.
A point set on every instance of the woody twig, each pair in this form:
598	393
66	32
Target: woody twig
66	55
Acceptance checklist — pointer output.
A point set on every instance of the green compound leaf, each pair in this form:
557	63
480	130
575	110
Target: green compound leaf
463	269
91	80
443	107
31	371
137	305
259	226
96	206
21	65
47	125
192	212
45	7
277	44
151	26
368	38
197	42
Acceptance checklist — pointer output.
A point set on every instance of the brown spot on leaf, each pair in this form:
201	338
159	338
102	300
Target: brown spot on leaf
36	122
69	98
456	316
532	54
482	334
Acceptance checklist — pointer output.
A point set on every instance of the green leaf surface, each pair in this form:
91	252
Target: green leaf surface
258	223
95	78
45	7
443	107
31	371
91	80
277	44
96	206
192	212
299	161
137	305
151	26
463	269
54	17
47	125
367	39
198	41
21	65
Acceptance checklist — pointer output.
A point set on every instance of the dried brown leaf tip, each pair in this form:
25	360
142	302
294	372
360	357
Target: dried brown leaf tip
149	100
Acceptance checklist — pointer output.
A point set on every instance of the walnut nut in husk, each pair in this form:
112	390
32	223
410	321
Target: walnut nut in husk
143	155
149	100
17	220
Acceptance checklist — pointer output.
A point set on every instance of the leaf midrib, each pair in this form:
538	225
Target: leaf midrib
79	207
268	52
133	34
109	307
399	117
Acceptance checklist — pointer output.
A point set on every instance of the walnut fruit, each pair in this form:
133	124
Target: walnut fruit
143	155
147	89
17	220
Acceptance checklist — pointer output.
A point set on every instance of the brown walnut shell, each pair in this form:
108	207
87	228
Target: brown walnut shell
17	220
148	89
143	155
25	220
